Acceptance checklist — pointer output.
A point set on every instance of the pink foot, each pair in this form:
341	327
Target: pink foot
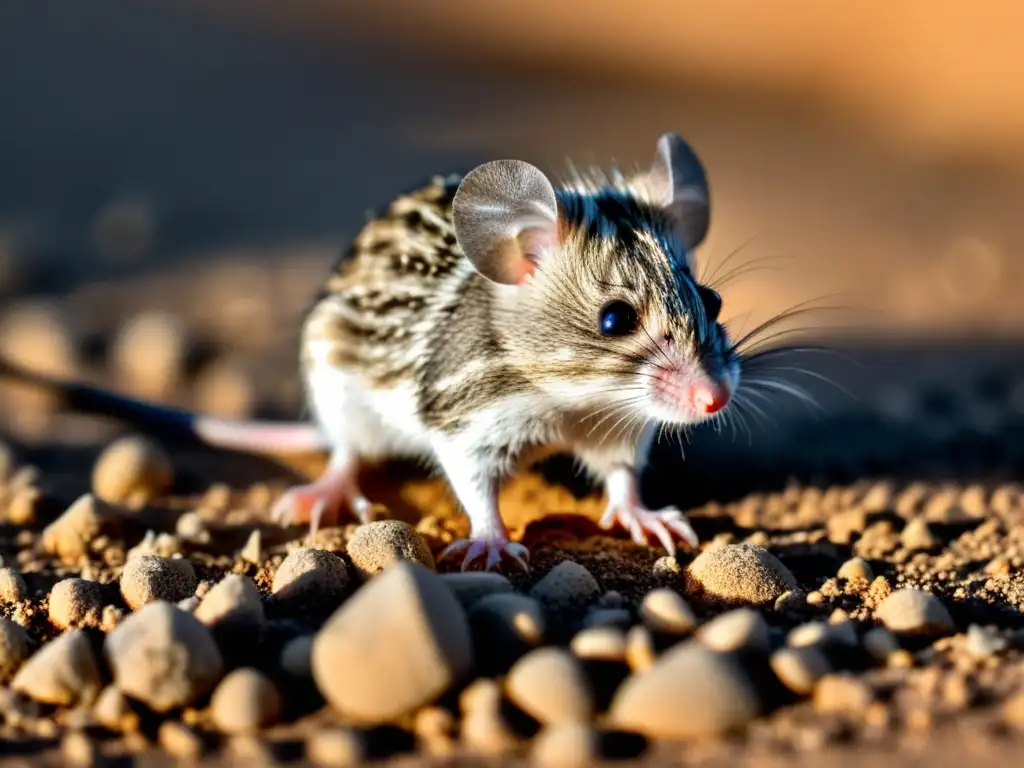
323	501
496	546
666	525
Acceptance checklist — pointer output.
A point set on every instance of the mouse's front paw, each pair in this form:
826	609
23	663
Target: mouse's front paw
666	525
496	547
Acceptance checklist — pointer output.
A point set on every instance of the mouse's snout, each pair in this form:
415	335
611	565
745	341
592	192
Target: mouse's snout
708	397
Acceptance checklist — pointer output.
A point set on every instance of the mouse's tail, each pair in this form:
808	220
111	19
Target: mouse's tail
170	423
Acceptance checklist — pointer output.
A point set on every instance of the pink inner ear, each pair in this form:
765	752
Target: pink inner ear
534	243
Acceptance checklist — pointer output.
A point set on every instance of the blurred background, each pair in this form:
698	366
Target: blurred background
176	178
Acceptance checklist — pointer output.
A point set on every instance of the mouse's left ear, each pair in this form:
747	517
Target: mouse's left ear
506	216
678	183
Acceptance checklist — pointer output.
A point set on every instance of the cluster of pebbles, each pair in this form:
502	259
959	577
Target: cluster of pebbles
858	614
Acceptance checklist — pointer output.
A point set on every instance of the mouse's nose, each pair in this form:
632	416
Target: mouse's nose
709	397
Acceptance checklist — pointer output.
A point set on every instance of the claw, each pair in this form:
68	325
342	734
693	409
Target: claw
496	549
320	502
665	524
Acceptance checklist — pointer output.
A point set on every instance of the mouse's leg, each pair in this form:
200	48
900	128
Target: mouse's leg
626	509
325	498
476	487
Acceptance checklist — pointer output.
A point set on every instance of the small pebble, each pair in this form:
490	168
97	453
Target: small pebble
620	618
565	591
374	546
163	656
113	711
295	656
77	749
132	470
76	603
191	527
150	577
822	633
311	576
12	586
435	728
252	552
233	602
799	669
245	701
71	535
470	586
15	649
599	644
663	610
666	564
739	574
842	694
396	645
741	629
504	627
550	685
565	745
640	653
917	536
911	611
984	641
179	740
879	642
855	569
690	692
62	672
22	509
335	746
149	353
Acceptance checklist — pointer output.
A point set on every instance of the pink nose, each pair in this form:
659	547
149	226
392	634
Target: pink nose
708	397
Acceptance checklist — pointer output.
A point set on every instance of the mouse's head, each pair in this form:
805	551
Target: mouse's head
599	303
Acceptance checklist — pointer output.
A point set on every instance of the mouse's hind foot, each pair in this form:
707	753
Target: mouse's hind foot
494	548
323	501
625	509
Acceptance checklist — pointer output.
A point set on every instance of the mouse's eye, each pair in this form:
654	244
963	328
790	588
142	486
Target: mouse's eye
618	318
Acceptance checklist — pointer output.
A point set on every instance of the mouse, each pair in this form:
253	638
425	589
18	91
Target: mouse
482	322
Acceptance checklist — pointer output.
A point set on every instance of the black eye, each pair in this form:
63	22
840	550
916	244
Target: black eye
618	318
712	302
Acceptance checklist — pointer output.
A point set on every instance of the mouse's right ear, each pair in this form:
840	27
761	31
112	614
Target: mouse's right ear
506	216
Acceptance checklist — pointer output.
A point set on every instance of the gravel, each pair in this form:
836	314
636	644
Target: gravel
690	692
912	611
132	470
739	574
147	578
397	644
12	586
62	672
310	577
76	603
549	684
245	701
233	603
376	545
741	629
664	610
15	648
163	657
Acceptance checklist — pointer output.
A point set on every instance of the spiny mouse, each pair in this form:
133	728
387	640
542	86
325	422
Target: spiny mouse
483	322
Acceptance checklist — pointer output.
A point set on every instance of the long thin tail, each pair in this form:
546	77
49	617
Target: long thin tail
175	424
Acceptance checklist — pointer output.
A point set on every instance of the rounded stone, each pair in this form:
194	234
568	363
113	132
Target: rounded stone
470	586
600	644
132	470
690	692
566	590
163	656
664	610
504	627
799	669
565	745
374	546
76	603
295	656
741	629
63	672
233	602
397	644
15	649
310	575
147	578
550	685
71	535
739	574
912	611
337	747
855	569
245	701
12	586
